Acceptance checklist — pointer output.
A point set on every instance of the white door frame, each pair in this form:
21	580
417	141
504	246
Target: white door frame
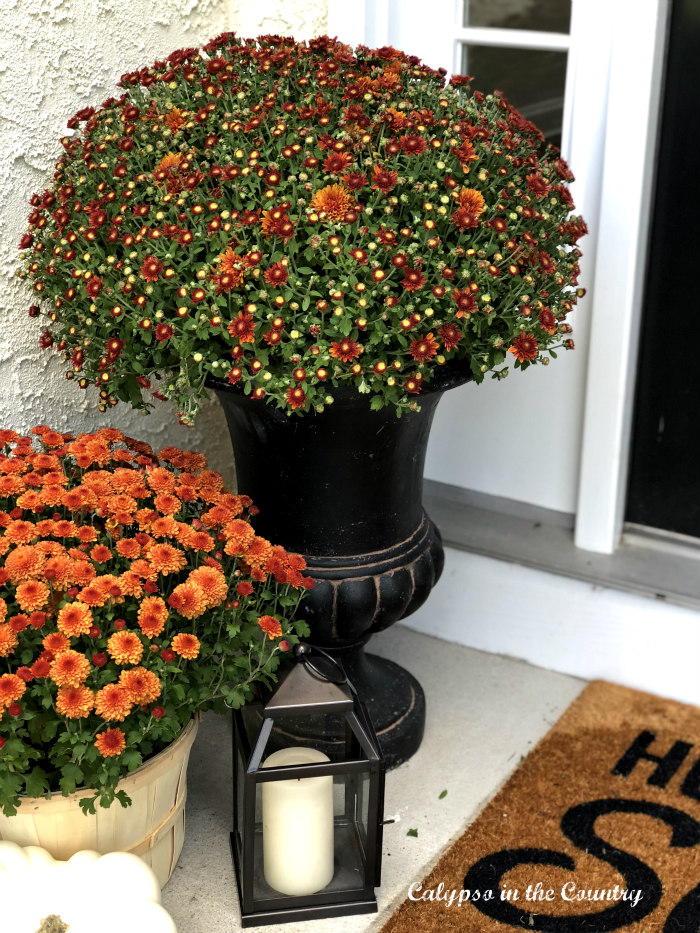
611	115
638	34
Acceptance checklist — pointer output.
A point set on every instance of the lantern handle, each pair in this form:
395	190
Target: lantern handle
306	654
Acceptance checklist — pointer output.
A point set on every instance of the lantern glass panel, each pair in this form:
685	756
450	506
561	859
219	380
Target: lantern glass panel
350	812
239	765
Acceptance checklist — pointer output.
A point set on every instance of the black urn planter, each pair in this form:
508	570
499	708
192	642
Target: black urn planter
344	488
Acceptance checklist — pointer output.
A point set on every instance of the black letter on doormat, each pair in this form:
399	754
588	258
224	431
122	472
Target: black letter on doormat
578	824
667	764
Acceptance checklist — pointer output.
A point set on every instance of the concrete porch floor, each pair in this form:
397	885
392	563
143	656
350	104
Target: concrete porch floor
485	712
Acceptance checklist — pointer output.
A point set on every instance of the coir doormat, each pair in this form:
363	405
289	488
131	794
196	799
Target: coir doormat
597	830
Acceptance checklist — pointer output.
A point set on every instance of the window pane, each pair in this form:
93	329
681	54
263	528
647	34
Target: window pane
540	15
533	81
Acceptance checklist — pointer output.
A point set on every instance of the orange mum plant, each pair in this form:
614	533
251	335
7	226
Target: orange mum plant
133	593
291	217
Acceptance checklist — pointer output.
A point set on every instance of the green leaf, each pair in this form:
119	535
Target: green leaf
37	782
442	794
132	759
413	832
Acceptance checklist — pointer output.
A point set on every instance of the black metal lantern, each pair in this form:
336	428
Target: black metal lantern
307	824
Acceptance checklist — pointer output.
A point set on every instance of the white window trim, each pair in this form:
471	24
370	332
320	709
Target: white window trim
514	38
614	79
638	41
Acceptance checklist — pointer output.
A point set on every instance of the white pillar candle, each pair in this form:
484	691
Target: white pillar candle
297	826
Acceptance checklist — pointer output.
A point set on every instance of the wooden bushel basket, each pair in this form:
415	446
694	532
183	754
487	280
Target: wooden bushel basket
153	827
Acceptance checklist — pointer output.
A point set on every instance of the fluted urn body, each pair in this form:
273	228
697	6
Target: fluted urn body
344	488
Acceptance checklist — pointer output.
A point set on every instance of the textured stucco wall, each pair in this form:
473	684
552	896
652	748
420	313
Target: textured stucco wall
57	56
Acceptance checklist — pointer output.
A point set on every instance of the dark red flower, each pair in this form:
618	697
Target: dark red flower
465	301
242	328
151	268
547	321
163	332
450	335
94	286
537	185
413	144
423	348
524	348
345	350
277	274
354	180
337	162
296	397
413	279
384	179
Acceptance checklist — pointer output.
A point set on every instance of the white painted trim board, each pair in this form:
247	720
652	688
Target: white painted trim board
564	625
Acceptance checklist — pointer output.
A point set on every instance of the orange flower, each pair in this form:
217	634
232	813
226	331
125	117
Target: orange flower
108	584
74	619
100	553
188	599
32	595
271	626
10	486
52	439
125	647
8	640
231	264
3	610
130	584
160	479
73	499
110	742
216	516
165	526
239	535
12	689
199	541
93	595
141	685
31	500
75	702
471	200
20	532
55	642
113	702
144	569
82	572
168	503
59	569
175	119
334	201
128	548
165	559
258	552
22	563
186	645
170	160
69	668
152	615
87	533
51	495
212	583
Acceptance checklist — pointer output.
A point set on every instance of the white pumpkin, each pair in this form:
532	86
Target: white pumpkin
92	893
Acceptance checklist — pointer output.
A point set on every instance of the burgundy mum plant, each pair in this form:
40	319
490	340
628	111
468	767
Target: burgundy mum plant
291	217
